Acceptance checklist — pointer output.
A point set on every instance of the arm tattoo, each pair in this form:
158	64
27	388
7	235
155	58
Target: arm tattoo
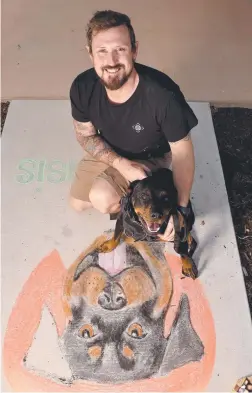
186	138
84	129
94	144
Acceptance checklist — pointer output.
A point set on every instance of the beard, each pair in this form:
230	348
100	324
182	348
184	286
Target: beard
114	82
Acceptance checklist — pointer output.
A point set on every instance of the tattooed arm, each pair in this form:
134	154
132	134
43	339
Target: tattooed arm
101	151
94	144
183	167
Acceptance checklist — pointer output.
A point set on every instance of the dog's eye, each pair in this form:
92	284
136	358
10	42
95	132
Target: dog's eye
136	331
164	196
86	331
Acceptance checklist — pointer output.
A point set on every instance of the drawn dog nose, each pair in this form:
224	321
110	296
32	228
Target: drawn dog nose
156	215
112	297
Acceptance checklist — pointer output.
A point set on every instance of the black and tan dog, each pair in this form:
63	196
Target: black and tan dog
145	212
116	319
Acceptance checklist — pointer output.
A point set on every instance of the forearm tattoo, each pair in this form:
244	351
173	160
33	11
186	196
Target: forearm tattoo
94	144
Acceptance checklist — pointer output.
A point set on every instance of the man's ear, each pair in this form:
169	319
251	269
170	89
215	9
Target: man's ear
135	52
89	51
183	343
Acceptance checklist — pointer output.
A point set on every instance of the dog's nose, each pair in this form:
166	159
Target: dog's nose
112	297
156	215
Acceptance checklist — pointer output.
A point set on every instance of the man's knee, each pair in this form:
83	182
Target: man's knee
103	197
79	205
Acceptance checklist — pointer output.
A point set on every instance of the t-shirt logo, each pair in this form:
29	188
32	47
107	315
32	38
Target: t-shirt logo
137	127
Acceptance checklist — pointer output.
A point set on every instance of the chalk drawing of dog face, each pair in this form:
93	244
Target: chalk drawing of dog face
116	333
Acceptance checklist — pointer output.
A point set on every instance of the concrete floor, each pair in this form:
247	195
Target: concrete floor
204	45
37	172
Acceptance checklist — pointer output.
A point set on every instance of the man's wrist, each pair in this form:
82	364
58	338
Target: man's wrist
183	202
185	210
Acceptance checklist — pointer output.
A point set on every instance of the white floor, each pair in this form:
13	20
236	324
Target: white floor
36	219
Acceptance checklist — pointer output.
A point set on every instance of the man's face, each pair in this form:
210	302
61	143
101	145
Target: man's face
113	57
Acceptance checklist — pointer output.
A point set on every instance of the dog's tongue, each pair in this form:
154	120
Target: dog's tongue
115	261
154	226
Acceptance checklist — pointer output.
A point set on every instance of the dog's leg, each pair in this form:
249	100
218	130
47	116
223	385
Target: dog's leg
185	248
189	269
192	244
71	272
161	274
112	243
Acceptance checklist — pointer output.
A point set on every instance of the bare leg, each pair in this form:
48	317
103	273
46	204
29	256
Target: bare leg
79	205
103	197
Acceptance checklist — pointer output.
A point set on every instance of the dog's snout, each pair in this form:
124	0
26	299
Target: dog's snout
156	215
112	297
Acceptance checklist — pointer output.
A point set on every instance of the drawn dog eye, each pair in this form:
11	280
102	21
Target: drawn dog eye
86	331
136	331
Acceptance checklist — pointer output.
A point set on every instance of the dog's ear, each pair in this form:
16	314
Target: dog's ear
183	343
163	171
132	185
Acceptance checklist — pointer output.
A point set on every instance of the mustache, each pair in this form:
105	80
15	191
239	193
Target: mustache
112	67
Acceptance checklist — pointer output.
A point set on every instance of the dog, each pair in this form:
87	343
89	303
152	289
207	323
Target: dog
115	332
145	212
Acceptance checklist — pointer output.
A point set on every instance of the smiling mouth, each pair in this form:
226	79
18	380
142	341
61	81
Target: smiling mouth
112	71
152	227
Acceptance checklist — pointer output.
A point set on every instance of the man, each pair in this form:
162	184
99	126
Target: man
129	119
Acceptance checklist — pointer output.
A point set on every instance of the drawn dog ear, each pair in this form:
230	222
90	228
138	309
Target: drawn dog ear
183	343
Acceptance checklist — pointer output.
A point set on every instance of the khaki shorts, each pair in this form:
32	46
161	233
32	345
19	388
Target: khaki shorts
89	169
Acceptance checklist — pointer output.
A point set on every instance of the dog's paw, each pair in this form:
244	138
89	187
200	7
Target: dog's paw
189	268
103	249
106	247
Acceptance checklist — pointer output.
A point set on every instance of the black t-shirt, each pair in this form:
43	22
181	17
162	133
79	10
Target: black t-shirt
156	114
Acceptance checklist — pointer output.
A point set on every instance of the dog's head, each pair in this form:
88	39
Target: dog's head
116	332
153	199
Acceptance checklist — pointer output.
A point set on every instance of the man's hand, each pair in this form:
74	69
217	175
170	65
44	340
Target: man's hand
169	233
131	170
188	217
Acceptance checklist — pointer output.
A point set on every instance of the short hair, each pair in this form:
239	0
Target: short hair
104	20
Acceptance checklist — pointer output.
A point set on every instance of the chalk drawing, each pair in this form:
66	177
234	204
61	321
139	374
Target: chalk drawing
40	171
133	326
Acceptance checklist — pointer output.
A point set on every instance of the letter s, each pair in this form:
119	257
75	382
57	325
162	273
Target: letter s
28	167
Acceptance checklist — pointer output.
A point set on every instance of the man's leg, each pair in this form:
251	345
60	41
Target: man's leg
87	171
97	185
79	205
107	190
104	197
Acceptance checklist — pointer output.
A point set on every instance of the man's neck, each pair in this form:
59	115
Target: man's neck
126	91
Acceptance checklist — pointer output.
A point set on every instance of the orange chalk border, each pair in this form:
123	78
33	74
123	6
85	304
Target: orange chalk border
44	287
